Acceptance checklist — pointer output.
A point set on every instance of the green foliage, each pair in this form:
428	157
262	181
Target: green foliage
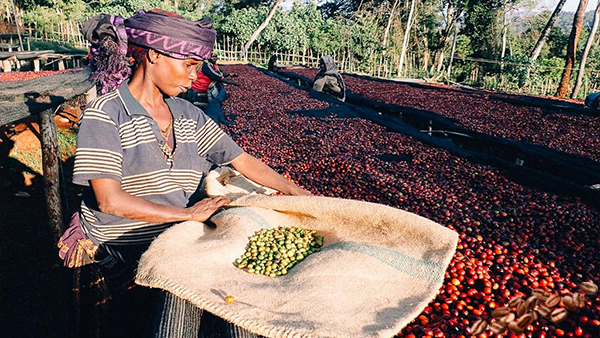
67	142
480	25
50	45
355	28
284	32
125	8
303	27
241	23
556	45
516	69
547	68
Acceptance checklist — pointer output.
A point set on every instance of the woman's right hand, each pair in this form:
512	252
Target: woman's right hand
204	209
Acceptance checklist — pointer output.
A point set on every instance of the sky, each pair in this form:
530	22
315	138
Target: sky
570	5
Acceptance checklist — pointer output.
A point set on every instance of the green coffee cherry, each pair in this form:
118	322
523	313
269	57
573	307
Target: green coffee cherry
273	252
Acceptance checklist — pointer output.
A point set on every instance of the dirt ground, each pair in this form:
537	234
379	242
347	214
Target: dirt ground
35	289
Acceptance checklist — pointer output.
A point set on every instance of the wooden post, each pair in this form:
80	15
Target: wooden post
91	94
6	66
50	166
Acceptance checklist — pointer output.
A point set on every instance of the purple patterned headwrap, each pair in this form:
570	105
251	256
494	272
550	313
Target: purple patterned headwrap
171	34
163	31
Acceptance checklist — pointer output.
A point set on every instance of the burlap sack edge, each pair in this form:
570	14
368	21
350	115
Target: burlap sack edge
222	310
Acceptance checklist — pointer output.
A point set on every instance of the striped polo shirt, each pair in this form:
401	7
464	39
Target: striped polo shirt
118	139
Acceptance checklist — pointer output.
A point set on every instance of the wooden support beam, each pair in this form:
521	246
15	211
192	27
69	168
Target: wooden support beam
19	100
50	167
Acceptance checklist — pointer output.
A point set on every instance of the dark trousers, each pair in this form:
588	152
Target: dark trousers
176	317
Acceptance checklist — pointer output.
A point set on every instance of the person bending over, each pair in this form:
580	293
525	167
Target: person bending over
328	79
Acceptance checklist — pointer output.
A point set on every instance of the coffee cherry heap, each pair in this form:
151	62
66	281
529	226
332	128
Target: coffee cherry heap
486	112
273	252
512	238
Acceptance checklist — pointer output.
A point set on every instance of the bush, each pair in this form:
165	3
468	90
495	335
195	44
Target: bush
55	46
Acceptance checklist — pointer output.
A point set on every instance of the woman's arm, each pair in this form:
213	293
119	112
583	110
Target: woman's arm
261	173
112	199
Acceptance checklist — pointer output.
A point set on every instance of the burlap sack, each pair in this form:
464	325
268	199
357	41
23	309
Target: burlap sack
378	269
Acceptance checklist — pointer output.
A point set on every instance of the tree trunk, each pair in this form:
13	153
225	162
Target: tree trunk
586	51
387	28
17	24
260	29
406	36
504	32
546	31
452	53
563	87
386	33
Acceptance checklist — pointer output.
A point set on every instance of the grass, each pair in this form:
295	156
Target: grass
67	141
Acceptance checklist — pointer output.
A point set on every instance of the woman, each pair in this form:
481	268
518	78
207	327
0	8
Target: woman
142	152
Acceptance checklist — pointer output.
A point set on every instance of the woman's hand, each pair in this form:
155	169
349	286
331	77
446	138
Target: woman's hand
204	209
297	191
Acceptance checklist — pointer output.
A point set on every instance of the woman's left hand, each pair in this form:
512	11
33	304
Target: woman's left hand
257	171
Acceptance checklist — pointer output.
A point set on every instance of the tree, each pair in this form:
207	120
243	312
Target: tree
259	29
563	87
586	51
453	11
406	35
480	25
345	8
535	53
386	32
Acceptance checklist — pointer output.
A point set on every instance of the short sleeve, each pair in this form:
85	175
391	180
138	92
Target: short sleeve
214	144
99	153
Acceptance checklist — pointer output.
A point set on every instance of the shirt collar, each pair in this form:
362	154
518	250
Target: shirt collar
134	107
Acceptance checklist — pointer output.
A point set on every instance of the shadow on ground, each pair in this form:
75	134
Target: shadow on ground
35	289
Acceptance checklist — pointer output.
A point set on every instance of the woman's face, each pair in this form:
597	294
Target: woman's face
174	76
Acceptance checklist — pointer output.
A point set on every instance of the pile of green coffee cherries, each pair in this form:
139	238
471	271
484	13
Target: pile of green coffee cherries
273	252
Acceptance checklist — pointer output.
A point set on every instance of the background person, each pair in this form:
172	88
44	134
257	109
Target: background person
593	101
142	153
211	79
328	79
